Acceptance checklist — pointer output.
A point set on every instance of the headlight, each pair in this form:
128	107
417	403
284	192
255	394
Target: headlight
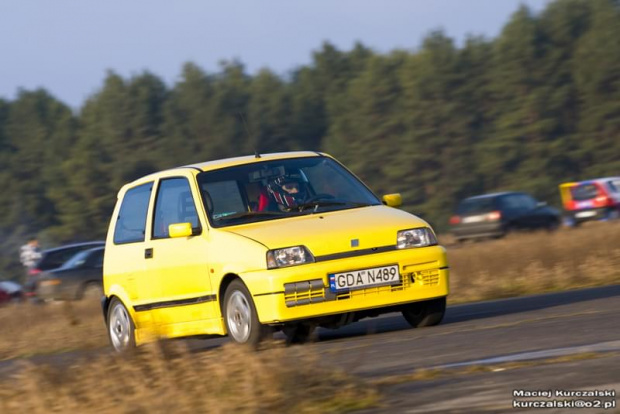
289	256
415	238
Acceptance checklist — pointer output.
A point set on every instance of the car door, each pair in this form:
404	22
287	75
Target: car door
84	268
535	215
179	264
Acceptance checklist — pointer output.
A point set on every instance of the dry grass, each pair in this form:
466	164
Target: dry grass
535	263
28	329
170	379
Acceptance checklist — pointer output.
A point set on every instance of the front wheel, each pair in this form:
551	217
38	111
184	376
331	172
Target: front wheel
427	313
121	329
241	317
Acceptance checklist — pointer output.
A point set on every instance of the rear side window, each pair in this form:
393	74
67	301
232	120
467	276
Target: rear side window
585	192
53	260
131	221
614	185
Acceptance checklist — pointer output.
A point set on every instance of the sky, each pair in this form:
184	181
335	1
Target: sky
67	46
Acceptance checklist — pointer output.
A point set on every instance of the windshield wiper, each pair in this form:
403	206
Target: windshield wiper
245	214
325	203
319	203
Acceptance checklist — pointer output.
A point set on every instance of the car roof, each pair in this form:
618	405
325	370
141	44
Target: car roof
96	243
231	162
597	180
493	195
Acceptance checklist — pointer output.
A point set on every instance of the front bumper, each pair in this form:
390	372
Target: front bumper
592	214
424	275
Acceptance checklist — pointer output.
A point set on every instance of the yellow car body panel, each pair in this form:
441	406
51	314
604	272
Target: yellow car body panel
174	286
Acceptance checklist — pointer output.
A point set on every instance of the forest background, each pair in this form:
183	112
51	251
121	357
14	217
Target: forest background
534	107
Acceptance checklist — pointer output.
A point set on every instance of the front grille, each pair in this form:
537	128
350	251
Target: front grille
427	277
302	293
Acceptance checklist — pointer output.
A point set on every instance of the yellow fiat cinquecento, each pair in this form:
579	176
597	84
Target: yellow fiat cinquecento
247	246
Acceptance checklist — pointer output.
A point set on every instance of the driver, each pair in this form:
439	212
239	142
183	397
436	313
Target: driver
288	192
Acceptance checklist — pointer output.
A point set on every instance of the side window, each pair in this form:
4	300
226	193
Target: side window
528	202
511	203
174	204
131	222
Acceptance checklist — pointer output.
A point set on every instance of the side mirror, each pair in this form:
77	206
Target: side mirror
182	230
393	200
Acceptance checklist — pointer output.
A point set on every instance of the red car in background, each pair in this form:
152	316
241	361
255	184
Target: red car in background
10	291
597	199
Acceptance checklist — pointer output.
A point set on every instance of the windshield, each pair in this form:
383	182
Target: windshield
585	192
278	189
76	260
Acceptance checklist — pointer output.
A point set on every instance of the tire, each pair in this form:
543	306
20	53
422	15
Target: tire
121	329
90	292
427	313
240	316
298	333
552	225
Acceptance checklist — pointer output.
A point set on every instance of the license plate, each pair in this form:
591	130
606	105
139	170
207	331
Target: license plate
359	279
584	204
582	214
473	219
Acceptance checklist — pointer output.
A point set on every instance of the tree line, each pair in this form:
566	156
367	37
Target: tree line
536	106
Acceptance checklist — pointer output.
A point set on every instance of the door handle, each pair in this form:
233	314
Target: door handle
148	253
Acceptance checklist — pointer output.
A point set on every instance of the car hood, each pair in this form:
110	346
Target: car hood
333	232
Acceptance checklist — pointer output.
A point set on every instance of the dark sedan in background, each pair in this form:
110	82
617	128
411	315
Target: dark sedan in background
80	277
495	215
53	259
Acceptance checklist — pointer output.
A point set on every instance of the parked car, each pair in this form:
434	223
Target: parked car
245	246
597	199
53	259
10	291
80	277
494	215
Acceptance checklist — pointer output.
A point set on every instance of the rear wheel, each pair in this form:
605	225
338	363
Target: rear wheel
553	225
241	317
427	313
91	292
121	329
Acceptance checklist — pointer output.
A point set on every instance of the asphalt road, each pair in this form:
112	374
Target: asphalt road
556	342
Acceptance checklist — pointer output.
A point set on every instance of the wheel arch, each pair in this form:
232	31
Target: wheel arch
226	281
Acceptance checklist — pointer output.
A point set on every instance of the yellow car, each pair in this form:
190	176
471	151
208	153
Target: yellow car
247	246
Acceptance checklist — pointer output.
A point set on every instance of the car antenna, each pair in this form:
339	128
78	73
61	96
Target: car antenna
247	131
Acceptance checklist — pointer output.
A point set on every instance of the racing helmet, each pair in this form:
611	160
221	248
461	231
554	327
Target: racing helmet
287	191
